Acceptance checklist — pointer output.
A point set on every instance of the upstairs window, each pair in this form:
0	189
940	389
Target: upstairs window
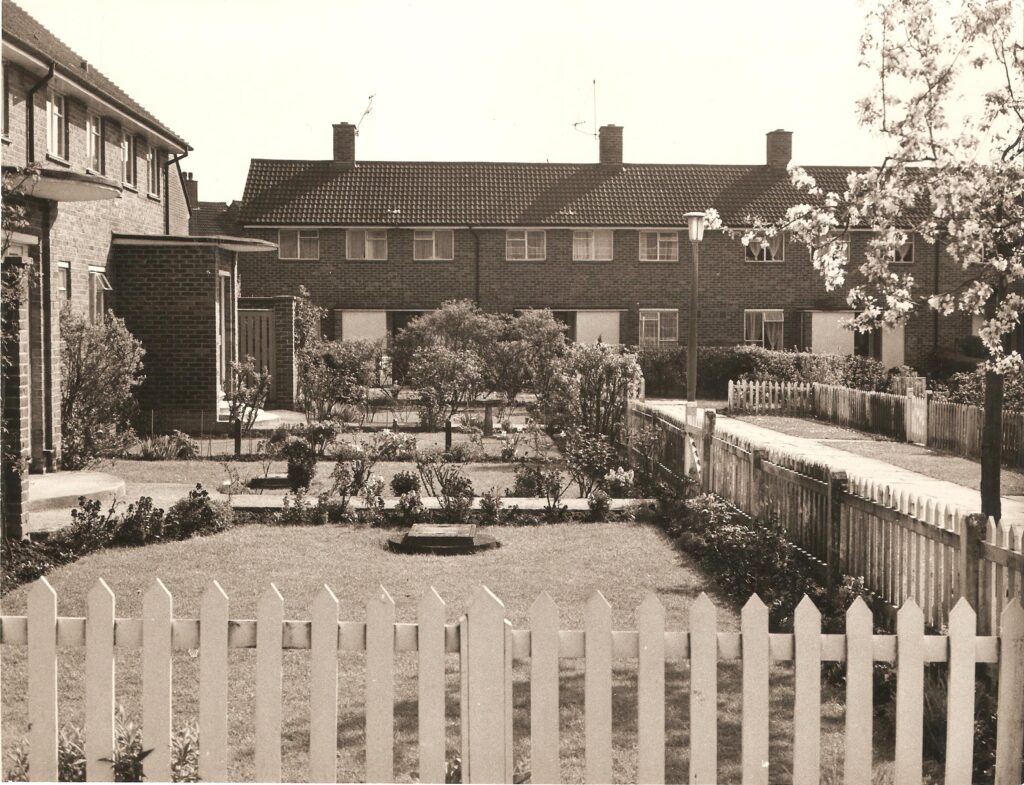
94	140
56	125
763	327
64	281
526	245
368	244
129	167
592	245
298	244
659	327
904	254
98	288
429	245
155	170
767	249
659	246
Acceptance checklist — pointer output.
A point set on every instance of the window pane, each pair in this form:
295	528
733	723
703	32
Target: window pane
288	240
753	329
669	326
376	245
582	246
309	246
668	247
422	249
515	245
535	245
775	246
444	244
773	335
355	241
603	241
648	245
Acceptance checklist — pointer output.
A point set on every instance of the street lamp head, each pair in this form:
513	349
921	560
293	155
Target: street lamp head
695	225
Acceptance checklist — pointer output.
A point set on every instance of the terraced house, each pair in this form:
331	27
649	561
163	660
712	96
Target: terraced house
107	230
604	245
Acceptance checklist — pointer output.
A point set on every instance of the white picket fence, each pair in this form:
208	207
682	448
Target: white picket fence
487	647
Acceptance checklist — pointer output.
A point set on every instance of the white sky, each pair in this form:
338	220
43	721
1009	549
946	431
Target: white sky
692	82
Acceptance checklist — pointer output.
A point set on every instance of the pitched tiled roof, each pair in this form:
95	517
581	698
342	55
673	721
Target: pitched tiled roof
25	31
510	194
214	218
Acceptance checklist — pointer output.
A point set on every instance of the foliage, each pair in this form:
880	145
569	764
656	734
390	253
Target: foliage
319	434
196	515
619	482
588	458
168	447
405	481
491	512
600	504
301	457
250	388
101	365
448	380
527	480
127	757
390	445
455	492
468	451
298	510
15	217
354	477
969	388
553	485
409	507
372	493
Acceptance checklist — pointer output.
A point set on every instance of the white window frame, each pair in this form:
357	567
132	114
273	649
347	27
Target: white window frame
98	288
663	236
523	236
659	314
351	244
94	142
778	317
301	235
425	235
129	162
750	256
64	281
590	237
57	125
153	171
913	253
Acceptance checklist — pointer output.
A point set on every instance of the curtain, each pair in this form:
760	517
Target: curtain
582	246
444	244
603	242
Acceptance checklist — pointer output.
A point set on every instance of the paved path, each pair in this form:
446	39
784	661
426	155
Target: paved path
858	466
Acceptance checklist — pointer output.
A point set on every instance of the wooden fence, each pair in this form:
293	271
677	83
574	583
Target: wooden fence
953	427
904	546
487	647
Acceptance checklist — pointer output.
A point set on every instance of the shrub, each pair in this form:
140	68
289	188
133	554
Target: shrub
197	514
301	457
320	434
298	510
101	365
527	481
466	452
600	504
588	458
553	486
969	388
141	523
250	388
391	446
372	492
170	447
448	380
491	511
455	491
410	508
404	482
619	482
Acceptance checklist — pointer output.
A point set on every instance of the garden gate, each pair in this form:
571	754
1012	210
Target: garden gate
256	340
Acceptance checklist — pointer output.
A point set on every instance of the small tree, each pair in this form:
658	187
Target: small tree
101	365
250	388
449	380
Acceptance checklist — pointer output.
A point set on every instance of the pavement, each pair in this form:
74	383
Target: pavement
856	466
52	496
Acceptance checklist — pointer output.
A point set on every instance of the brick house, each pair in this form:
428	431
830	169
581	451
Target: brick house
107	230
604	245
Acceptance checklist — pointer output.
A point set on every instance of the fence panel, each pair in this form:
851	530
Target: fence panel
256	340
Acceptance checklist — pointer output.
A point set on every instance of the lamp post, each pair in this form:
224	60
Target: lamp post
695	226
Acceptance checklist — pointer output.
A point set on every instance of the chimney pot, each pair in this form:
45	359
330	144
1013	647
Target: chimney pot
610	144
780	148
192	190
344	143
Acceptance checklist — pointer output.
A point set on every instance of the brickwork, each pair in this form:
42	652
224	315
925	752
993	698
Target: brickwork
16	413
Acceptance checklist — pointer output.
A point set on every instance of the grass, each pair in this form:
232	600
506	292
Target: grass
624	561
931	463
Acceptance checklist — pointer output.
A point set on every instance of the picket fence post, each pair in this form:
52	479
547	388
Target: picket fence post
838	485
1010	716
972	532
706	468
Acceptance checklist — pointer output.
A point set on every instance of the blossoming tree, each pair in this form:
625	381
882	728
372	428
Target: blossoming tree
949	103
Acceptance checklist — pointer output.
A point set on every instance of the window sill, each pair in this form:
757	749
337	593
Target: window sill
58	160
365	260
97	172
299	258
153	197
433	260
766	261
526	260
658	261
129	187
5	139
593	261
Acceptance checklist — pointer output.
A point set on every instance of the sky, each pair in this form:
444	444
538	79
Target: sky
691	82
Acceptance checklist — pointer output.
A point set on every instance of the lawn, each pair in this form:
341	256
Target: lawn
625	561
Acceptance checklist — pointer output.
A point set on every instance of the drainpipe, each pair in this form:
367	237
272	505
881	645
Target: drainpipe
30	112
476	277
167	190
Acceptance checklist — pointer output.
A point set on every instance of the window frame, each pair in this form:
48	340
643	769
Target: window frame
913	253
129	160
766	247
153	174
433	244
764	311
99	285
313	235
349	244
661	313
594	257
642	246
526	245
95	137
64	280
57	122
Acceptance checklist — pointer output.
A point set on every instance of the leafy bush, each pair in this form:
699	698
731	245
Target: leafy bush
392	446
410	508
457	494
619	482
319	434
141	523
491	507
372	493
301	457
126	758
197	514
588	458
405	482
448	380
101	365
969	388
250	388
553	485
169	447
600	504
468	451
527	480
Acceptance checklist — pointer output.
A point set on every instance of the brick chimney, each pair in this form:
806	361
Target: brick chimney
780	148
344	143
610	144
192	190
